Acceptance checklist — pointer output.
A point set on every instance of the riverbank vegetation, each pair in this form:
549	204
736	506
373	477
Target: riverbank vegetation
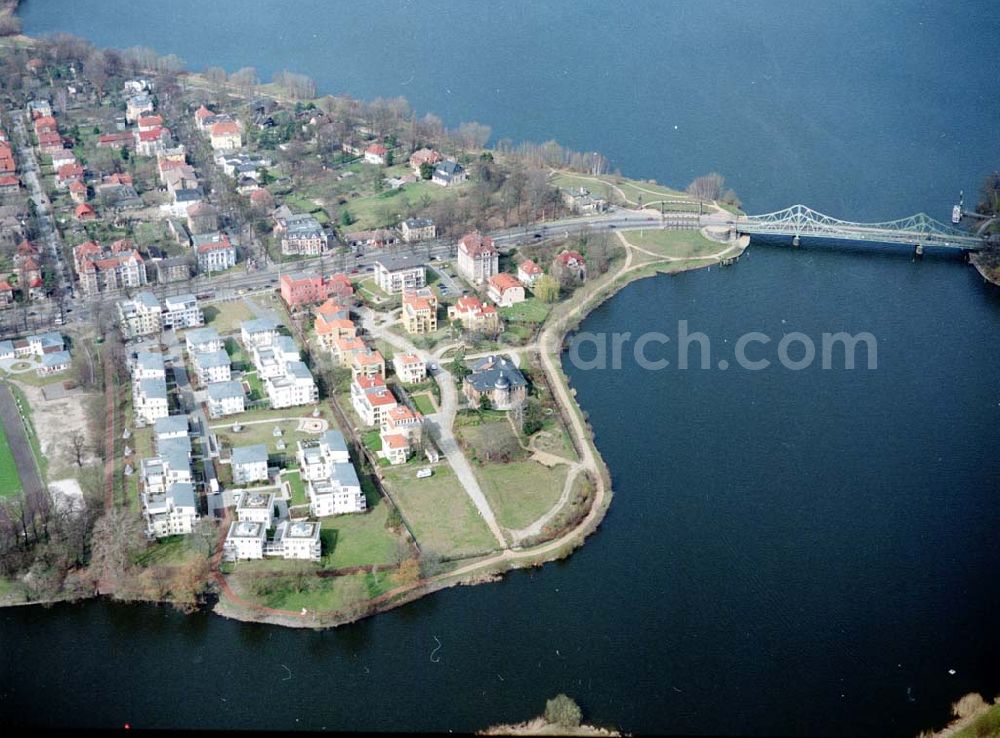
562	716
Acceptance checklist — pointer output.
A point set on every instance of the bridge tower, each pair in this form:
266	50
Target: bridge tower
918	251
796	241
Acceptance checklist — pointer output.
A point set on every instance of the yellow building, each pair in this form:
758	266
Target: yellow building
420	311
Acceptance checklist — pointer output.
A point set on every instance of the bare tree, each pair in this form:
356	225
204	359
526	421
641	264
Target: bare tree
78	442
117	538
707	187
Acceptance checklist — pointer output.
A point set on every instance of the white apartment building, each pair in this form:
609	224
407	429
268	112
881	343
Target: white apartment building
225	398
172	513
255	507
212	366
410	368
371	399
296	540
172	426
317	457
249	464
140	316
340	493
244	541
258	333
149	399
182	311
295	387
203	340
147	365
395	274
271	360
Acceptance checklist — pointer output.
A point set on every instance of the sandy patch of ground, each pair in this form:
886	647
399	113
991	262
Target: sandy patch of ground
55	421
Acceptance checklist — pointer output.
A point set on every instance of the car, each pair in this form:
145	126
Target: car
355	270
537	235
611	225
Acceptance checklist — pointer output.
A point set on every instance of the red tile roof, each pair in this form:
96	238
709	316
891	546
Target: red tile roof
529	267
503	282
475	244
225	128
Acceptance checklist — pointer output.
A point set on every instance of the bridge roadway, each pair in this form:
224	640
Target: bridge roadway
800	221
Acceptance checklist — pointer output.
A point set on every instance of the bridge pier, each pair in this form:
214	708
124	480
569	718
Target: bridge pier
918	251
795	240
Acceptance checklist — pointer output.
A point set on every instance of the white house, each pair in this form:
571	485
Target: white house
172	426
395	274
244	541
371	399
172	513
212	366
297	540
225	398
295	387
340	493
410	368
528	273
271	360
505	290
149	399
255	507
249	464
182	311
147	365
317	457
140	316
203	340
259	333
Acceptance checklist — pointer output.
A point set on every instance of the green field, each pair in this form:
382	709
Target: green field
531	310
389	207
440	513
313	593
677	244
423	403
226	317
360	539
521	492
170	551
10	481
297	486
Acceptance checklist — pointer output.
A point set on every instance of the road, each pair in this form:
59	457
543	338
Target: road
17	439
268	276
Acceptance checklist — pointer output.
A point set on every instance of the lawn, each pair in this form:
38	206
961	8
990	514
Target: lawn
389	207
226	317
10	481
521	492
170	551
297	487
440	513
678	244
360	539
264	433
314	593
531	310
424	403
373	440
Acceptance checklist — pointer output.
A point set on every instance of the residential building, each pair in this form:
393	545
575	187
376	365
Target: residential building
317	457
345	348
580	200
368	364
498	379
394	274
505	290
226	135
6	293
339	494
172	513
212	366
182	311
417	229
474	315
376	239
259	332
203	340
172	426
149	400
140	316
83	212
109	269
301	290
152	141
572	262
171	465
225	398
478	258
137	105
295	387
329	329
528	273
271	361
420	309
255	507
297	540
409	368
375	154
147	365
371	399
304	237
449	173
244	541
214	251
400	433
424	156
249	464
202	218
395	449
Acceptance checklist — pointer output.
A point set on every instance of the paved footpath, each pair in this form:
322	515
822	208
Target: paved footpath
17	438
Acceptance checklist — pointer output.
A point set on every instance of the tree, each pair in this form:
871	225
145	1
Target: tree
426	170
458	368
78	441
707	187
408	571
546	289
989	195
390	158
117	539
346	218
563	711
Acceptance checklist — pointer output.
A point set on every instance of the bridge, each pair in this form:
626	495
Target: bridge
800	221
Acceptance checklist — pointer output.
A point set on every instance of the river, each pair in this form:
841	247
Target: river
788	552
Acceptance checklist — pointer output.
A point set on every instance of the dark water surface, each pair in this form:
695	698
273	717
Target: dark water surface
788	552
